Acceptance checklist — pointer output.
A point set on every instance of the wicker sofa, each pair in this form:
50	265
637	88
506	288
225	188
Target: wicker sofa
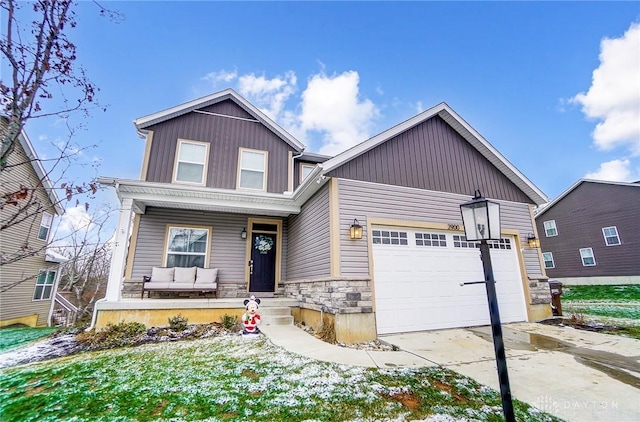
178	279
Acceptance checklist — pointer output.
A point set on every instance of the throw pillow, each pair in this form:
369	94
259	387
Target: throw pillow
207	275
162	275
185	275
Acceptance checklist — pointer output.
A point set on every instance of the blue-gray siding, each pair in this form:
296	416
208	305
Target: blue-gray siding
309	249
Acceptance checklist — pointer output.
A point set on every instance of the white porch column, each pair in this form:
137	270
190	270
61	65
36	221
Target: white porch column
119	254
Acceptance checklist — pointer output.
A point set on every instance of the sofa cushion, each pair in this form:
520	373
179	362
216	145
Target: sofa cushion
162	275
151	285
185	275
207	275
181	286
205	286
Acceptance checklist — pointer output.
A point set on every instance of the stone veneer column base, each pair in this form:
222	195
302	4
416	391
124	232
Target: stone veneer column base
539	306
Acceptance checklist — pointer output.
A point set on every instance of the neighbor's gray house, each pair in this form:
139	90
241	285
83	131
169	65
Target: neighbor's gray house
223	186
27	286
590	234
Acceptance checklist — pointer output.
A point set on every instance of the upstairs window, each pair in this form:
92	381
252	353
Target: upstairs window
611	237
588	260
187	247
305	170
252	169
45	226
44	285
191	162
548	260
550	229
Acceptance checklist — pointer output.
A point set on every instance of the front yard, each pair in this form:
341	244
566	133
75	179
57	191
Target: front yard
229	378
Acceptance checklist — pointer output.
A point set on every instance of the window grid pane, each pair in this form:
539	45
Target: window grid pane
386	237
550	229
431	239
588	259
611	237
548	260
187	247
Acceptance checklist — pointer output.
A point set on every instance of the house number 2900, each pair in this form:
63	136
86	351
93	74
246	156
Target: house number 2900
454	226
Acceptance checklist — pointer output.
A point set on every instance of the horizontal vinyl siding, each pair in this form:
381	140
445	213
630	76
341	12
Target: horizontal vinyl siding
580	217
226	136
228	250
363	201
435	157
308	253
18	301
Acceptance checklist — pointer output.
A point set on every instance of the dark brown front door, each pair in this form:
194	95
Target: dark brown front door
262	267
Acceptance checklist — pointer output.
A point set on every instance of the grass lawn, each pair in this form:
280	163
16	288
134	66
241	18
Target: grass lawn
17	336
609	293
233	379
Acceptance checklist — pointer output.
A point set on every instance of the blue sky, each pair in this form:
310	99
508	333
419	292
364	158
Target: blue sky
336	73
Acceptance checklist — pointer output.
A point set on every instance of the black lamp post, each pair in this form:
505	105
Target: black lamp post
481	219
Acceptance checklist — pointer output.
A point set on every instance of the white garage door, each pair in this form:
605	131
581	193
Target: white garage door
418	274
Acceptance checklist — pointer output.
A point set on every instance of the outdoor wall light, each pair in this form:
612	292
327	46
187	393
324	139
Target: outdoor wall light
243	233
533	241
355	231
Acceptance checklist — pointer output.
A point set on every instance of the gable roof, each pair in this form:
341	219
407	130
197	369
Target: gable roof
460	126
143	123
578	183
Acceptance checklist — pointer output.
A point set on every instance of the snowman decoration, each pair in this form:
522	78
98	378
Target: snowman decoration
251	318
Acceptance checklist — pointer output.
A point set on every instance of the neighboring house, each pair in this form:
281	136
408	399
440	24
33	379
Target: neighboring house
28	286
223	186
590	234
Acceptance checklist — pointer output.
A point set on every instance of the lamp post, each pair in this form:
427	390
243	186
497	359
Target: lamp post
481	219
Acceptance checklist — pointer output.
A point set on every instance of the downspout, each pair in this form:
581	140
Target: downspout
95	313
293	168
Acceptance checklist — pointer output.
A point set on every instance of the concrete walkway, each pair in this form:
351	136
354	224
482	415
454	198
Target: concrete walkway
576	375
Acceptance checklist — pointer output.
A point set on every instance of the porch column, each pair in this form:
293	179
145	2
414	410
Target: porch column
119	254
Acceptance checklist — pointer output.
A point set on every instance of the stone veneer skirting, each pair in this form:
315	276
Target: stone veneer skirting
335	295
540	292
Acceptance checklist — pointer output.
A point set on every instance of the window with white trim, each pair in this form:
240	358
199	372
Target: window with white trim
187	247
389	237
548	260
431	239
550	228
588	260
44	285
191	162
611	237
305	170
45	226
252	169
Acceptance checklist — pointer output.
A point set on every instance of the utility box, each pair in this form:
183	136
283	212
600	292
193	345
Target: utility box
556	291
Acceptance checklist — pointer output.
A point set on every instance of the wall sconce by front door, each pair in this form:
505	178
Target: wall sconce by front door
243	233
355	231
533	241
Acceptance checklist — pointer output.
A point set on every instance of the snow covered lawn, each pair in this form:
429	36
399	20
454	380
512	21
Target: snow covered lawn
11	338
234	379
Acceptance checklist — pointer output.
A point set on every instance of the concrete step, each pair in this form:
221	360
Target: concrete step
274	310
276	320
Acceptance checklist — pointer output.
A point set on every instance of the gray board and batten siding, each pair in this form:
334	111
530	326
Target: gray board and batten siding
226	136
365	200
432	156
580	217
227	248
309	252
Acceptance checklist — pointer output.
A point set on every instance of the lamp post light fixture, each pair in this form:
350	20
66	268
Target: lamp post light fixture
481	219
355	231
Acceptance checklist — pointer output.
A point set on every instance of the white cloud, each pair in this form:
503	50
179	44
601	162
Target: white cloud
331	105
419	107
614	171
74	219
270	95
221	76
614	95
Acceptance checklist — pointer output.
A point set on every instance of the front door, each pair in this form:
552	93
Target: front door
262	266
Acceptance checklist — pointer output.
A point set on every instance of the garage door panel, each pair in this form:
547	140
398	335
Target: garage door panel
417	287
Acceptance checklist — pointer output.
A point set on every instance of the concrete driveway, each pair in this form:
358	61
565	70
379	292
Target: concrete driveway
576	375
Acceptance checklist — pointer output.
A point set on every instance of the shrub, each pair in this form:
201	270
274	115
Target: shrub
113	335
178	323
229	321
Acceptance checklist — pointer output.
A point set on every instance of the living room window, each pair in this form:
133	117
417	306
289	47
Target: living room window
44	285
550	228
252	169
548	260
611	237
588	260
187	246
45	226
191	162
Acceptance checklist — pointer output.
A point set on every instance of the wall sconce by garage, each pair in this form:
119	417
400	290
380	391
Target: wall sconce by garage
243	233
355	231
533	241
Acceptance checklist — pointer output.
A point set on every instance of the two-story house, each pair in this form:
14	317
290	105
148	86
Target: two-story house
590	234
371	238
29	272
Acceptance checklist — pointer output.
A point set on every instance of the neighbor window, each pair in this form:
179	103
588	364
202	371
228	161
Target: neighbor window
252	169
611	237
45	226
548	260
550	229
187	247
305	170
588	260
44	285
191	162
